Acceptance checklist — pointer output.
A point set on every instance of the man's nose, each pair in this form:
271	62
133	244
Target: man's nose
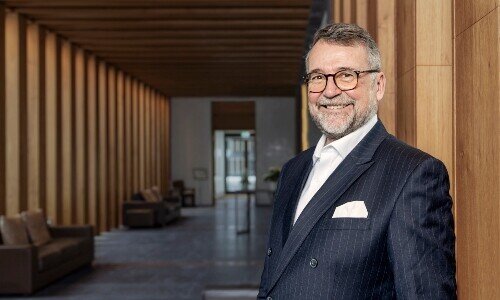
331	89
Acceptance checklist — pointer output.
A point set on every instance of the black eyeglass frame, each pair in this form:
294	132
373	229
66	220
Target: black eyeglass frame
306	78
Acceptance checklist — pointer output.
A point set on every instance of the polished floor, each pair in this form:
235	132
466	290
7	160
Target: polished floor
179	261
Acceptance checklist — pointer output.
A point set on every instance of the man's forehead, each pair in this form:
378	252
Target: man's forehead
330	55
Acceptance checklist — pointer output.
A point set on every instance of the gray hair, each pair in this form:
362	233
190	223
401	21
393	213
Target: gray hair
348	35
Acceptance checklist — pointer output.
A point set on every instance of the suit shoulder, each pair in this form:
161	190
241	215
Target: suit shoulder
403	153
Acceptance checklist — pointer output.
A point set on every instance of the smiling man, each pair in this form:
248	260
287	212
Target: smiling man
362	215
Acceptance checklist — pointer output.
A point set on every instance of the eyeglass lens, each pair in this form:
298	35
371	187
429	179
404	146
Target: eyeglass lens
345	80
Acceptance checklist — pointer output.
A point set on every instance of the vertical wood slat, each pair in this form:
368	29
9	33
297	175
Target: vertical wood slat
386	33
91	143
2	109
81	164
477	140
67	102
361	12
52	99
135	135
142	139
161	140
434	78
129	182
147	136
406	87
152	139
103	157
15	107
111	118
168	148
158	163
347	11
120	110
34	102
336	10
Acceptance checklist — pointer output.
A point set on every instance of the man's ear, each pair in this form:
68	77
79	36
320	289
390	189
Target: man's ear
380	82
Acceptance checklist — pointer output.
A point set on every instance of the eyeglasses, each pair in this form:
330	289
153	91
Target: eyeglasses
345	80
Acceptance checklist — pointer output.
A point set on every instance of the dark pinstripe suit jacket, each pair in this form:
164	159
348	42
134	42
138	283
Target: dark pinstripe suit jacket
403	250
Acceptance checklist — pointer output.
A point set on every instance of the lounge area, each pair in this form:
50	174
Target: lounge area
180	261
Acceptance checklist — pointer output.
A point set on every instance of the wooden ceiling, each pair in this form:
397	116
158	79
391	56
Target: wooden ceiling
188	47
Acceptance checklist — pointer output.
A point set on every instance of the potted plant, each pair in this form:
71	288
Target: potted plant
272	176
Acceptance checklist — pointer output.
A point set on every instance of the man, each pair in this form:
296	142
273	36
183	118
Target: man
362	215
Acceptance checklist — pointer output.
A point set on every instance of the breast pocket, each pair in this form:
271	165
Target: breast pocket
346	224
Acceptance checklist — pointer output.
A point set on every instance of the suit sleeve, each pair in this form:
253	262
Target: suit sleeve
421	239
266	273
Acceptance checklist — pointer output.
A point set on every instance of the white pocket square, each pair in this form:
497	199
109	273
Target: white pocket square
353	209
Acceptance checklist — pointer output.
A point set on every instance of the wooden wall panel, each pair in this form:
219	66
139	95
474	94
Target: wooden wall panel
434	80
433	106
91	143
361	11
129	182
166	152
147	136
405	37
120	144
103	147
80	137
434	17
111	140
158	163
162	109
477	94
142	138
80	167
347	11
468	12
386	40
405	126
2	109
15	106
35	99
135	135
66	115
336	11
52	99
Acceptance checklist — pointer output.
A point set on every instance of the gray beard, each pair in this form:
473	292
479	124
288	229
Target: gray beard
355	122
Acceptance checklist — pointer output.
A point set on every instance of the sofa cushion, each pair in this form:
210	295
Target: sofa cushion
37	227
157	193
149	195
49	256
13	230
69	247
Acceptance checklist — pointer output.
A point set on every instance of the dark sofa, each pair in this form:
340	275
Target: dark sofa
26	268
149	208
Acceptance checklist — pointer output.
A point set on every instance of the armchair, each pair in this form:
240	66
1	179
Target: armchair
185	193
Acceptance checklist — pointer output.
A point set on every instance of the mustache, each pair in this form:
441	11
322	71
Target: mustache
344	101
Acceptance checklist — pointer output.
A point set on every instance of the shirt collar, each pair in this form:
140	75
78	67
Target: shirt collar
345	144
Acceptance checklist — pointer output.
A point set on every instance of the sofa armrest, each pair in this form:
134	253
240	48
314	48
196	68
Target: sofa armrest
141	205
71	231
18	265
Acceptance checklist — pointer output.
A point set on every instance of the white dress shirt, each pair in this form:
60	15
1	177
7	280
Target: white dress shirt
326	159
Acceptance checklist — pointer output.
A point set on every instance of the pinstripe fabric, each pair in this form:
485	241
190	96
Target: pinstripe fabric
404	249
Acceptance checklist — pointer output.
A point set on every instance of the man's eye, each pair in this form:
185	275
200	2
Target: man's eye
346	75
316	77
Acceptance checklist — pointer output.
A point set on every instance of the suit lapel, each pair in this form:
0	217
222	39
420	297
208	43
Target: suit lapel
353	166
294	198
